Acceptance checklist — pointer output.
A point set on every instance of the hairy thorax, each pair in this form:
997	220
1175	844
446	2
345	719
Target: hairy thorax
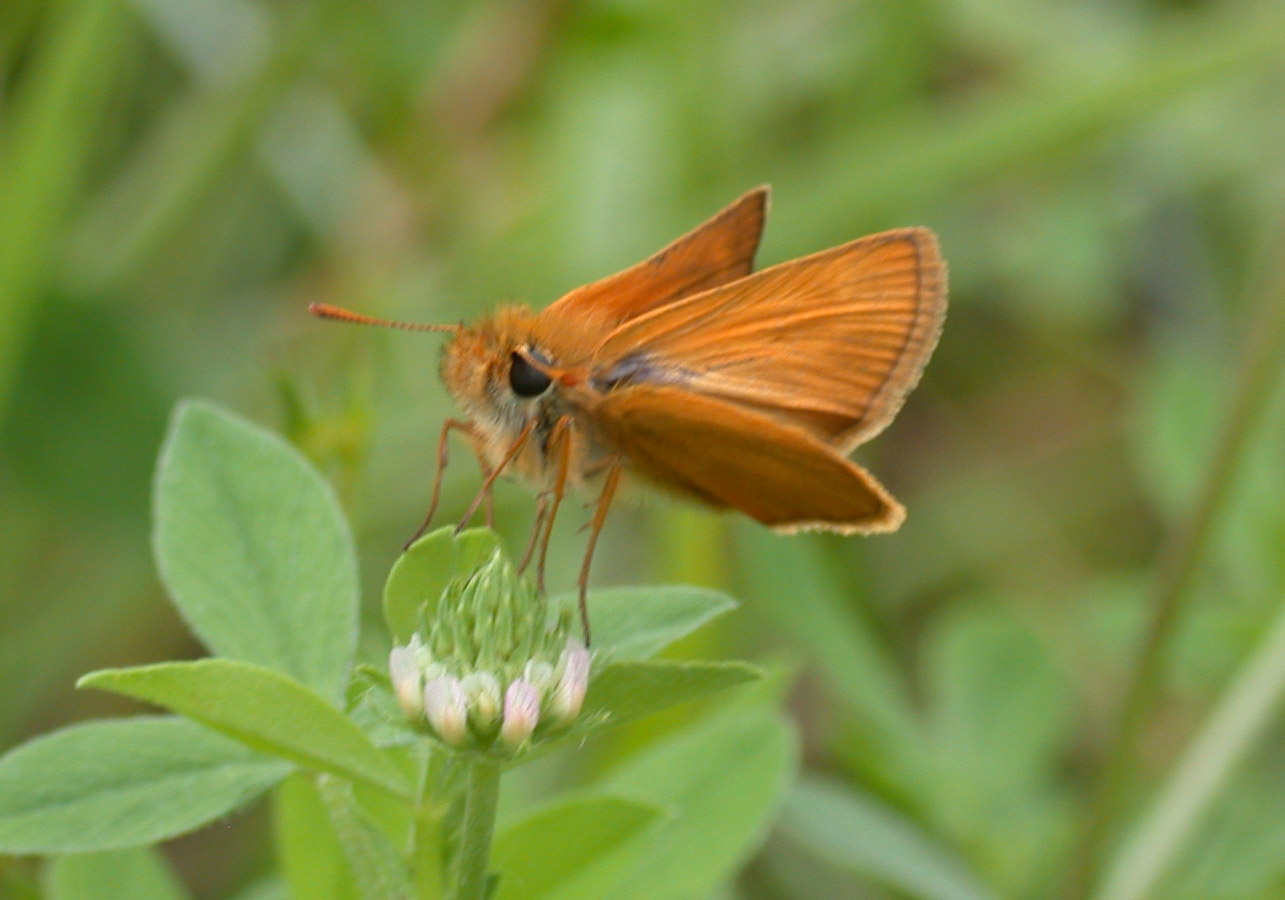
476	370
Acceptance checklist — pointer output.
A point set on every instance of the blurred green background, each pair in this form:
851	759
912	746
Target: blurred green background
178	180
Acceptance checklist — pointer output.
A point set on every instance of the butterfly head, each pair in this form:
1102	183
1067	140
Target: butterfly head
496	373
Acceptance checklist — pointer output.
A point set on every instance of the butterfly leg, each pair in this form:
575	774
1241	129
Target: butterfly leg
599	517
560	438
443	454
541	510
485	491
489	507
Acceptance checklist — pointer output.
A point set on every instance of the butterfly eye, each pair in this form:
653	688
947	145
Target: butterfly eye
525	379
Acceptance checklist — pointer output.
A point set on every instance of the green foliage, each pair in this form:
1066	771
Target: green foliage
308	851
225	493
637	623
1203	770
577	849
421	574
139	873
867	841
120	783
254	549
179	180
624	691
261	708
377	871
48	149
720	780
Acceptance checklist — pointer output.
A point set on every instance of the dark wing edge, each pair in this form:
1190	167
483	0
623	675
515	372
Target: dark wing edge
925	332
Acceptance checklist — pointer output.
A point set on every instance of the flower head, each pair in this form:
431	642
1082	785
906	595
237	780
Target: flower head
490	669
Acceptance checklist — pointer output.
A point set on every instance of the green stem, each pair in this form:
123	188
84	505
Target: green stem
1260	375
469	879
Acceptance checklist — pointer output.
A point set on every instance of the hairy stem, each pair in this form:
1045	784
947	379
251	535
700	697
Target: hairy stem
469	878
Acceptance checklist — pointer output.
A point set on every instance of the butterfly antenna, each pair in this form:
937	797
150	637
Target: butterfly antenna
338	313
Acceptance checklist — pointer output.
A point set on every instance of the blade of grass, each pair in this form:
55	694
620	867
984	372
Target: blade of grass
1258	381
1246	709
49	139
181	161
17	19
928	152
851	656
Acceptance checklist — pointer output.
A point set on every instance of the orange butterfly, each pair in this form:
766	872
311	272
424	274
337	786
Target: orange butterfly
738	390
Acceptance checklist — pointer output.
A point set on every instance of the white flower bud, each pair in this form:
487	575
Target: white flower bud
404	673
521	713
568	696
446	706
485	699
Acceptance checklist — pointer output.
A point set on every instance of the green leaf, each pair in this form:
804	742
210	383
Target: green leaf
254	549
374	708
121	783
722	779
139	874
624	691
579	849
871	842
639	622
261	708
307	848
419	576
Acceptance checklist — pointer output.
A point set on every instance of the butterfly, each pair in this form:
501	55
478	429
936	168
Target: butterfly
738	389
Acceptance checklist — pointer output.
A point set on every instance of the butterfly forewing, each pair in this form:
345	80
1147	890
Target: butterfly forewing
718	251
730	457
830	343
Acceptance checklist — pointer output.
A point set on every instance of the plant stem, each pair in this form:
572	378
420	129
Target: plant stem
1260	375
469	878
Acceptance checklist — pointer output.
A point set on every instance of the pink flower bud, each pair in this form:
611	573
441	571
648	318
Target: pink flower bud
521	713
573	682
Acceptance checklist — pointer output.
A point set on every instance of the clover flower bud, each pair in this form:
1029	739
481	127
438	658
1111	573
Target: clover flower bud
521	713
407	678
485	697
573	681
446	706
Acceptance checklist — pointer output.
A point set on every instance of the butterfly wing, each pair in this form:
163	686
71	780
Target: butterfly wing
727	456
831	343
716	252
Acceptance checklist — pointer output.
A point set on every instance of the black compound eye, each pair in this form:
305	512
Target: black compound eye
525	379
